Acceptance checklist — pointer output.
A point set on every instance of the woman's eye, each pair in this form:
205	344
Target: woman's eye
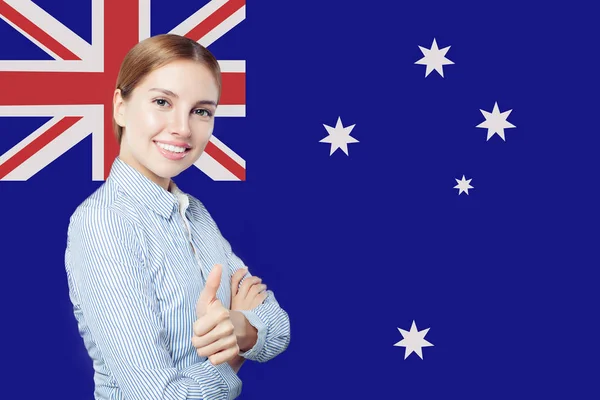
203	112
160	102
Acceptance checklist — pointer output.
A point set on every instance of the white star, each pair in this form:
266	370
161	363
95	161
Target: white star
434	58
413	341
463	185
495	122
339	137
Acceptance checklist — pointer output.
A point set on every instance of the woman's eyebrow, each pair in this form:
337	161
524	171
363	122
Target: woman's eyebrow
173	94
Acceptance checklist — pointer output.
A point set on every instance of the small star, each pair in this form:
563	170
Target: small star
339	137
434	58
463	185
495	122
413	341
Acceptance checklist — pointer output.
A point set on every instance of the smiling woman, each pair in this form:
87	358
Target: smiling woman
167	114
165	308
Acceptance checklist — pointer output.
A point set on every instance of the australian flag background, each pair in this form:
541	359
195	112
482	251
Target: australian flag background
420	191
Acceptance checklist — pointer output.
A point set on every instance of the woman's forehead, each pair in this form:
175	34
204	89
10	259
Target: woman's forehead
181	69
182	79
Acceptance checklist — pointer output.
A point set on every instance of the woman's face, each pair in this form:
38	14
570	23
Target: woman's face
167	120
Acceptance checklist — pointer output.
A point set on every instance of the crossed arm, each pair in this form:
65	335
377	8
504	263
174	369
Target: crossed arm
268	321
117	302
105	267
271	322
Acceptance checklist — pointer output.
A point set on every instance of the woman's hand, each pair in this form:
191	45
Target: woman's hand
245	297
214	335
250	294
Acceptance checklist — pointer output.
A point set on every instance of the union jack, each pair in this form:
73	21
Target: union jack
75	88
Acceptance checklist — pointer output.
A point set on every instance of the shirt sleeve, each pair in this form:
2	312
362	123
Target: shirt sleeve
272	322
104	257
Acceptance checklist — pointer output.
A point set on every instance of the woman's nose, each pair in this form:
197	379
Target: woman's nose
180	124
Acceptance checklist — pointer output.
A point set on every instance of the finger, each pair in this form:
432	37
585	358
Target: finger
209	293
225	355
236	278
248	282
208	322
222	344
256	289
258	300
200	342
222	330
216	314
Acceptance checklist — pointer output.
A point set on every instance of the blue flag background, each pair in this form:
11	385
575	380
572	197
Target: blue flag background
356	246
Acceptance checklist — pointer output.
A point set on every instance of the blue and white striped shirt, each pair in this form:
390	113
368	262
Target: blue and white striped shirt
134	279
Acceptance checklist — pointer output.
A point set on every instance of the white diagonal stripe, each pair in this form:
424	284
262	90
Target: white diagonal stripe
52	27
50	152
223	147
196	18
32	39
30	138
213	169
223	27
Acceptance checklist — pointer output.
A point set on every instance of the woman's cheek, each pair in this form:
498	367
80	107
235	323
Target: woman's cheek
153	123
205	129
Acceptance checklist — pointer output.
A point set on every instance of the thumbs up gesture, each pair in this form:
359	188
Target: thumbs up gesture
214	335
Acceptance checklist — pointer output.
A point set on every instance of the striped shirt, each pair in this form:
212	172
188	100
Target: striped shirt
136	260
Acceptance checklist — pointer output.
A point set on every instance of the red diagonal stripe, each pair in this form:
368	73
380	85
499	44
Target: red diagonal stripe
212	21
37	144
34	31
222	158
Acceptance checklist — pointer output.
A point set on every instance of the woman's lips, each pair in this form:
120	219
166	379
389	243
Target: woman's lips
171	155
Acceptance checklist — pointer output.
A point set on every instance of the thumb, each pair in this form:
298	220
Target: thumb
209	293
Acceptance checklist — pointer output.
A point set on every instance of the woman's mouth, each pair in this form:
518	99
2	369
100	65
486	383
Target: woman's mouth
171	152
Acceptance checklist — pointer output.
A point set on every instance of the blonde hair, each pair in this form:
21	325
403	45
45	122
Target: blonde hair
155	52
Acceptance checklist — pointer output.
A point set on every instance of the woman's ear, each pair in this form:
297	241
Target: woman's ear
119	108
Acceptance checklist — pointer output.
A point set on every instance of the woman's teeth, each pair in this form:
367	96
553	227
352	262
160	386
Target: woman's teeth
170	147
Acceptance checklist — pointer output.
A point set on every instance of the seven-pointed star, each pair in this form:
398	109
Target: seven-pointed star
434	58
339	137
463	185
413	340
495	122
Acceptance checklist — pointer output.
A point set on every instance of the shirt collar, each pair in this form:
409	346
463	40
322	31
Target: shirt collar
146	192
183	199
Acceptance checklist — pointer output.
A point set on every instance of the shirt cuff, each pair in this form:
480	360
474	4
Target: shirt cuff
234	383
261	329
227	375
